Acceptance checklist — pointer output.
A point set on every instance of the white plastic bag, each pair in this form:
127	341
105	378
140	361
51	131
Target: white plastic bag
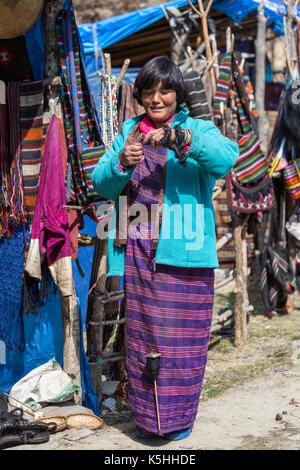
46	384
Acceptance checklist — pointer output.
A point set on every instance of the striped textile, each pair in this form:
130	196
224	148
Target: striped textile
11	208
196	100
82	127
223	86
128	107
31	121
252	165
108	109
4	159
292	180
226	255
12	256
168	311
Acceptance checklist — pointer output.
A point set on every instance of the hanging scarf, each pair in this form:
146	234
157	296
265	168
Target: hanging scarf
50	231
31	119
128	106
12	256
108	110
11	202
81	123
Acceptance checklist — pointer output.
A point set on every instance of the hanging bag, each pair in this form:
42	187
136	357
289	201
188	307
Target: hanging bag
242	197
81	120
252	165
291	177
277	278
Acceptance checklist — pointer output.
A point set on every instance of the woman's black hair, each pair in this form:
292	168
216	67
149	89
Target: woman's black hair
160	69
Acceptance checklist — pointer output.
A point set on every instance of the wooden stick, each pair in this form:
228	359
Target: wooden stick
156	401
260	46
21	403
295	8
209	65
190	53
215	53
194	8
25	411
203	15
288	62
208	7
225	239
216	193
55	81
73	208
228	39
123	72
225	281
107	63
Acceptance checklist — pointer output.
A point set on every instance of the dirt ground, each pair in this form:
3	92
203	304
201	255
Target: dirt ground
245	389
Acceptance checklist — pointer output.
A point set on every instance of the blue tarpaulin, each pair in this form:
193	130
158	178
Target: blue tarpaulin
100	35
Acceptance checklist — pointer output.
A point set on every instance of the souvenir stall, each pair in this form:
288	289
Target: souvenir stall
50	142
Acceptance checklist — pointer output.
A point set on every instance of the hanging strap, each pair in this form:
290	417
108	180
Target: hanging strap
281	234
85	120
71	73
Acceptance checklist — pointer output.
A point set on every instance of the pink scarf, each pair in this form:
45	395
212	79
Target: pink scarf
50	231
146	125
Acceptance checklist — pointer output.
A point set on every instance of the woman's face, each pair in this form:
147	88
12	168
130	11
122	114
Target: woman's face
159	103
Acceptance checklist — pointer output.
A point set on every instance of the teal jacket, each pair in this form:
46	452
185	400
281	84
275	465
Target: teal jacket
187	236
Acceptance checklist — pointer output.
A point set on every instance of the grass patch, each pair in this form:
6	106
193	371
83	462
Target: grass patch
233	376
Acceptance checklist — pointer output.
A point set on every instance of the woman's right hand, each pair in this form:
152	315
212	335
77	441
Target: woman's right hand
131	155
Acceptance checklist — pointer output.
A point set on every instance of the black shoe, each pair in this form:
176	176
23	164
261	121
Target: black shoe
13	422
21	438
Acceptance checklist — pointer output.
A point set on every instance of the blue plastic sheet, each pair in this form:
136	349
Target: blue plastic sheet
89	397
35	43
116	28
43	341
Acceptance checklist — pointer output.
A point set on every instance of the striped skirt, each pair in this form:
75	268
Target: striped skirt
168	311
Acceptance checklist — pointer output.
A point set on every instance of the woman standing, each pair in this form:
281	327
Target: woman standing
168	255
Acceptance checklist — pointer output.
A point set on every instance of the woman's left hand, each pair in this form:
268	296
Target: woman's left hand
154	137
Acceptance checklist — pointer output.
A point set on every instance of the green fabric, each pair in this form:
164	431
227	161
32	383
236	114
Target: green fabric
211	156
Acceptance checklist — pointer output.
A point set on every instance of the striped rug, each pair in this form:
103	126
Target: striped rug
31	121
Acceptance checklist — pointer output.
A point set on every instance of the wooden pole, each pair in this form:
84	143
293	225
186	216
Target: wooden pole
190	53
69	306
245	284
260	78
289	33
156	402
239	287
228	39
203	15
215	54
96	332
107	63
241	294
123	72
